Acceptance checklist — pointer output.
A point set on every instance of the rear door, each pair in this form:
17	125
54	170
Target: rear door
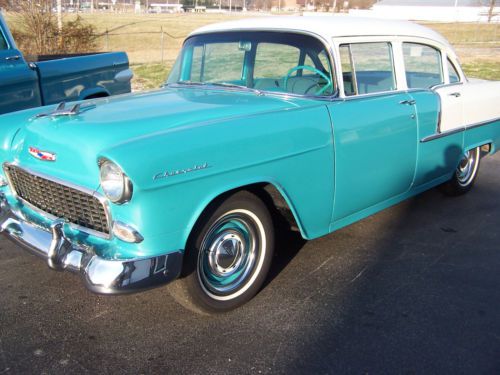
437	89
18	82
424	70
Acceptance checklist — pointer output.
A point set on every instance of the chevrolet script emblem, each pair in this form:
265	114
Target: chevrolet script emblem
42	155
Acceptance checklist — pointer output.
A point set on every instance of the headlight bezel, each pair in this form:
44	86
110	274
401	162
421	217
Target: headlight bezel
126	188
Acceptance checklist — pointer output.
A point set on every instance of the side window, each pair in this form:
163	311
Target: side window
422	66
275	60
3	42
367	68
453	73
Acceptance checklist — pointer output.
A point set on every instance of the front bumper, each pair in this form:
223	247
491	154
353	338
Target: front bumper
100	275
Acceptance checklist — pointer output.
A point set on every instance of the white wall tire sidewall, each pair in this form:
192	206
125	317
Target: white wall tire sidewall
258	267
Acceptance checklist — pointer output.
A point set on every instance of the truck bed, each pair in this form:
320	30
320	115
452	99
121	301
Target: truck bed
82	76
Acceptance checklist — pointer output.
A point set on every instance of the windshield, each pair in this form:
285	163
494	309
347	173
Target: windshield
263	61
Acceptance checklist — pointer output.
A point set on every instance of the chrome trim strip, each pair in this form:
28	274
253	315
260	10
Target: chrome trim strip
441	135
85	190
458	130
478	124
353	70
440	113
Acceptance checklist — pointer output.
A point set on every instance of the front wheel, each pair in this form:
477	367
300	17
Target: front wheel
229	253
465	175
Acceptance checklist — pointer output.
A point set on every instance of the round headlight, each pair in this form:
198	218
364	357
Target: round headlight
114	182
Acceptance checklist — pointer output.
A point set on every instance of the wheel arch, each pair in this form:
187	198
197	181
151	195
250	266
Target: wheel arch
95	93
272	194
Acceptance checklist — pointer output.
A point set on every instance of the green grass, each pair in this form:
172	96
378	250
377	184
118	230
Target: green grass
150	76
482	69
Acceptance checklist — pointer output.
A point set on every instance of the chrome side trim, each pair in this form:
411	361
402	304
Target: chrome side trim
440	114
482	123
49	216
441	135
458	130
100	275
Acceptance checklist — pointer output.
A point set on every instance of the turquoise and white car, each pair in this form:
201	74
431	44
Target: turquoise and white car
322	120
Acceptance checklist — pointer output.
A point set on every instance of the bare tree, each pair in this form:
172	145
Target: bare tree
490	11
37	32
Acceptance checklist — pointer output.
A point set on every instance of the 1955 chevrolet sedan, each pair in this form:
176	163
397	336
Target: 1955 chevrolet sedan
331	119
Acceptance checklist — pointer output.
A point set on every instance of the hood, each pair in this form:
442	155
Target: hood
104	124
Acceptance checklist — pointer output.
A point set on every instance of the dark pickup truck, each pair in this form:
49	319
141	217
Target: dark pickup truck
53	79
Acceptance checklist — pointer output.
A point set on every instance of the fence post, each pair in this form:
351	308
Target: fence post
107	40
162	44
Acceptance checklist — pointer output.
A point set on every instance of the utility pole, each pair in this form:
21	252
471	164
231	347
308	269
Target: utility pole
490	11
91	6
59	21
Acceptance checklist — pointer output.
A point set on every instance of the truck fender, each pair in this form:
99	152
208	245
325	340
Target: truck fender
124	76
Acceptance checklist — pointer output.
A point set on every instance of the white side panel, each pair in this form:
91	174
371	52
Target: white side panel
451	107
481	101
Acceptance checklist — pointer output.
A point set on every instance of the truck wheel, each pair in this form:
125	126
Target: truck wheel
229	253
465	175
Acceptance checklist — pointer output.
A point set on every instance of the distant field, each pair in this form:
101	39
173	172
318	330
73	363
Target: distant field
478	45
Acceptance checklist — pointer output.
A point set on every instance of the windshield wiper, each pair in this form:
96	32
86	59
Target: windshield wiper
219	84
233	85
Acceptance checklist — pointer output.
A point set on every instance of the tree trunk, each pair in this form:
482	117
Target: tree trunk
490	11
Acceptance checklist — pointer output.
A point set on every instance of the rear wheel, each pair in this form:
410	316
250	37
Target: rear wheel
229	253
465	175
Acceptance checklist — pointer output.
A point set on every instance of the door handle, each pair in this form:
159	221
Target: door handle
455	94
13	58
408	102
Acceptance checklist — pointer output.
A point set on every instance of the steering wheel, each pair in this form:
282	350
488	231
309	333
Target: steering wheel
311	69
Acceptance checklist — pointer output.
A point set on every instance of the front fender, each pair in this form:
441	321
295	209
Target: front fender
176	174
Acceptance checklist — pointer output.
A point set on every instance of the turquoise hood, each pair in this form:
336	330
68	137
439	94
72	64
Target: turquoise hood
103	126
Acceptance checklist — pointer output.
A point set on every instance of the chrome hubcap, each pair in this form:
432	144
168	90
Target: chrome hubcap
228	254
225	254
467	168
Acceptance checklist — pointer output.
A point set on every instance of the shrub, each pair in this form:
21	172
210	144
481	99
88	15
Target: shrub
36	32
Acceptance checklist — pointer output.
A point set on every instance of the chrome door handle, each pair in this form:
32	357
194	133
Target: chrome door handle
408	102
455	94
13	58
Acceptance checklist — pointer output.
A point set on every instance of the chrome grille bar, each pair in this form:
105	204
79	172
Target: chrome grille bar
78	207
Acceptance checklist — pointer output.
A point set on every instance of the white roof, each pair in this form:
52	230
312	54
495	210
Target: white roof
328	26
446	3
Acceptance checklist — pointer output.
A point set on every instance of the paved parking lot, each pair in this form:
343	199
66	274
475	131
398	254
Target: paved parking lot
414	289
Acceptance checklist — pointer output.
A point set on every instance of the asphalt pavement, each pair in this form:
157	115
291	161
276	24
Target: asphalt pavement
414	289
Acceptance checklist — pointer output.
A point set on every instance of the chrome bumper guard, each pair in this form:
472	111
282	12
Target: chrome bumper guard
99	275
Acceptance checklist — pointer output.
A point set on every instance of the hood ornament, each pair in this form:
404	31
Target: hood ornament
61	110
42	155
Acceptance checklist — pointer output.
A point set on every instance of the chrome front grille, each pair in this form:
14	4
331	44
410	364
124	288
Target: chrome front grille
61	201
